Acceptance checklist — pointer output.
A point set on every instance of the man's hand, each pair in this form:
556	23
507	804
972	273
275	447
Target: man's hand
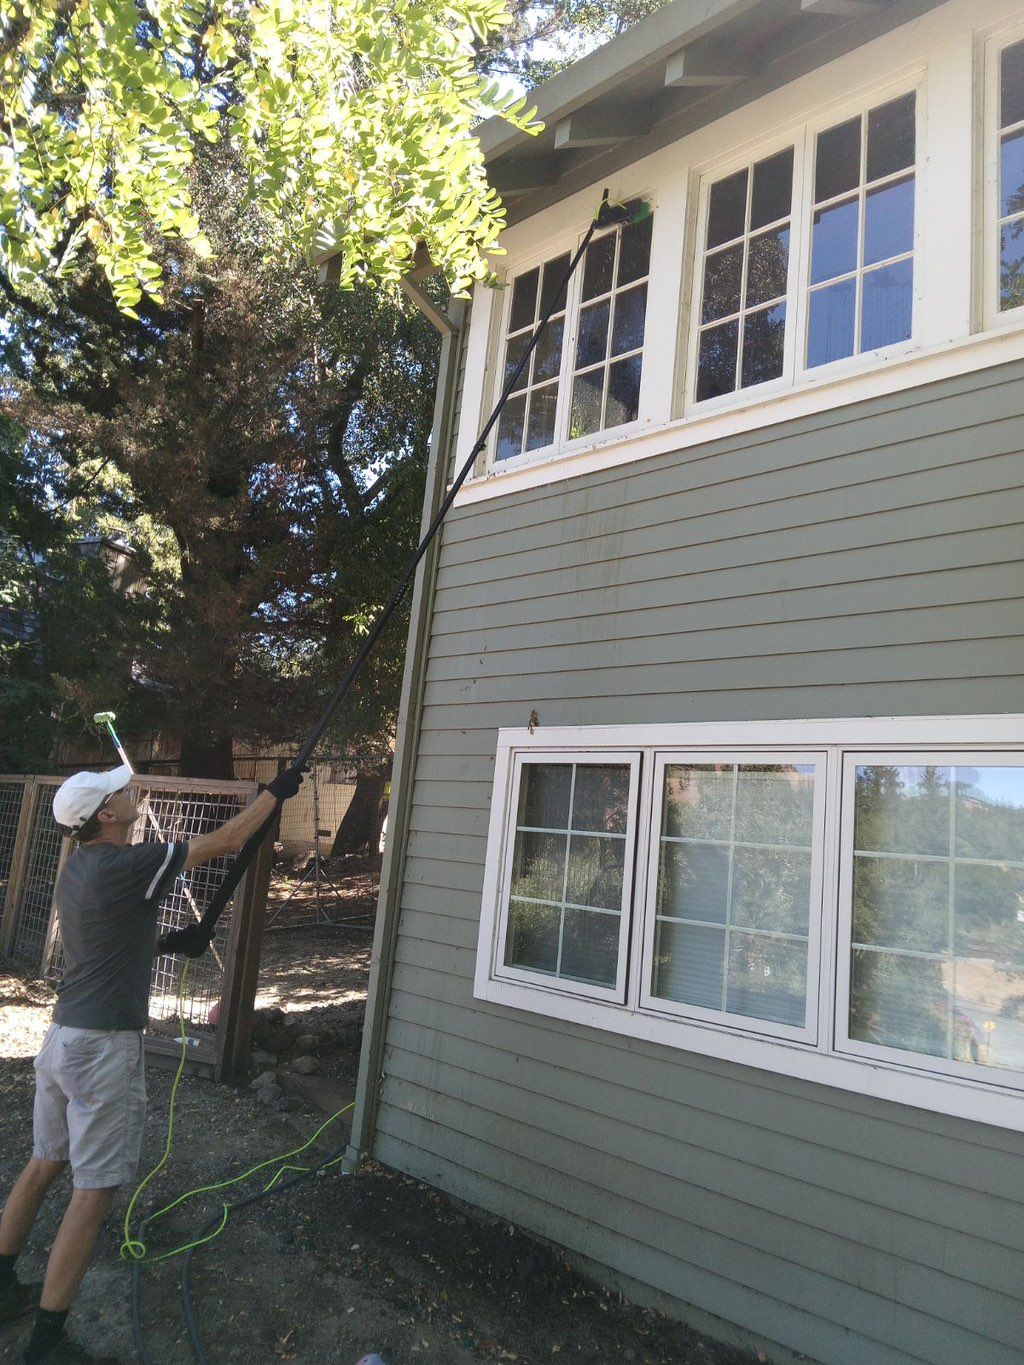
193	941
286	784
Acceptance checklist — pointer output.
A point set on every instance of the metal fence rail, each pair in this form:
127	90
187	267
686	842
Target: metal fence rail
220	984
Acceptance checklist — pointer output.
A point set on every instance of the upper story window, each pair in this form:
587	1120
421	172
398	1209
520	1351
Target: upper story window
1010	177
745	277
862	234
584	374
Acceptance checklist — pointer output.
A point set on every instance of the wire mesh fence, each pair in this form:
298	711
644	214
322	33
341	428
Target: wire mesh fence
171	810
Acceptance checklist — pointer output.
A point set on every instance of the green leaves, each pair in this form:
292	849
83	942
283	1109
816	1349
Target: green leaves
356	114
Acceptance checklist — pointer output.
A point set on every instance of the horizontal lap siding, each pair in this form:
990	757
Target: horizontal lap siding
860	562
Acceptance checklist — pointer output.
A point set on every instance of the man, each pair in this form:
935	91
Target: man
90	1078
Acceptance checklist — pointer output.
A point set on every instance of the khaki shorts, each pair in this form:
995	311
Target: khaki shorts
90	1103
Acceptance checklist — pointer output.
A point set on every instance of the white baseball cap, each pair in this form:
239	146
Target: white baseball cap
81	796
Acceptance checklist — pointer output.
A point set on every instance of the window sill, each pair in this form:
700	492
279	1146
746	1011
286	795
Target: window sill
644	440
880	1080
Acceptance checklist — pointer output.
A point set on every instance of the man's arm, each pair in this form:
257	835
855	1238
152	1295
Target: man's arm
229	837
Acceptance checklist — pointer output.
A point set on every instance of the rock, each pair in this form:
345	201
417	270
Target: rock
263	1079
305	1066
287	1104
308	1042
262	1060
269	1095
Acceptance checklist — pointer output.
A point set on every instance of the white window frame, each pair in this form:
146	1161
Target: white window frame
995	1098
802	138
543	980
917	758
648	907
992	316
554	247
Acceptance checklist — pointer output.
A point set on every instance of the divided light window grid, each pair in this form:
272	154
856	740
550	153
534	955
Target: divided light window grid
528	419
862	234
745	277
1011	177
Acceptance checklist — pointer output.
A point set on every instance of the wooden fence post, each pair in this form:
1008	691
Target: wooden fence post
245	943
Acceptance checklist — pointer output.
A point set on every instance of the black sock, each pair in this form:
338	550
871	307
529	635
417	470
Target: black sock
7	1270
47	1331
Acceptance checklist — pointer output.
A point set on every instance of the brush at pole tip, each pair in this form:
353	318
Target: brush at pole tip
611	215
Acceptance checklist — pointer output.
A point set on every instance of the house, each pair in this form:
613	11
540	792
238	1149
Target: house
701	940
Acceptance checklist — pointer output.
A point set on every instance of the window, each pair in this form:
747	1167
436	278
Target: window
807	896
807	255
745	277
735	883
1010	177
570	874
862	234
575	385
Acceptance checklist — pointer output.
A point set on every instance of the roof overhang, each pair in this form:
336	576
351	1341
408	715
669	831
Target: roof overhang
683	67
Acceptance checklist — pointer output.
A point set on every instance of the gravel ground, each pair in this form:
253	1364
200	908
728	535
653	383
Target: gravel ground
342	1265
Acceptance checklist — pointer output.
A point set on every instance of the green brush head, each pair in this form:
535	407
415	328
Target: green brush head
104	718
616	215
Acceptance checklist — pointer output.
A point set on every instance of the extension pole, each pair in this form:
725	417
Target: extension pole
606	217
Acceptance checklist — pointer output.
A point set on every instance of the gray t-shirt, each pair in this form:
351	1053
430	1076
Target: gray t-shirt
107	898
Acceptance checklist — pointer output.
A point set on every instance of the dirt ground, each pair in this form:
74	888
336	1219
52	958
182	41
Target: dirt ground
342	1265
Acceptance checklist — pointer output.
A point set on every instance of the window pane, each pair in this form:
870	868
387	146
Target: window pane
901	903
899	809
623	391
540	428
891	137
554	275
532	938
544	795
830	328
1011	174
635	250
767	979
727	209
887	305
585	417
764	339
1011	265
771	197
510	429
716	363
1011	91
628	327
595	871
600	797
598	266
901	1002
767	267
837	163
697	801
694	882
888	221
513	354
834	241
590	948
524	300
990	813
775	805
592	343
547	358
771	890
989	902
538	866
688	964
723	275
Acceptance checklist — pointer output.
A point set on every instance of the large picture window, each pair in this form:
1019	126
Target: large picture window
785	894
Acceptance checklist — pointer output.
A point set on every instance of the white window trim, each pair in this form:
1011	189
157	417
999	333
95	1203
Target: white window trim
994	1099
992	317
646	909
500	970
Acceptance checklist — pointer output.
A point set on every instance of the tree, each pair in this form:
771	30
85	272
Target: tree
276	429
350	119
543	38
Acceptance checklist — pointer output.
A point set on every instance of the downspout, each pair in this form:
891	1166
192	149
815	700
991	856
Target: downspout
371	1059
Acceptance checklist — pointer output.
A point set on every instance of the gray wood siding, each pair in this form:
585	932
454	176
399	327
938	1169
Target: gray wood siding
865	561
